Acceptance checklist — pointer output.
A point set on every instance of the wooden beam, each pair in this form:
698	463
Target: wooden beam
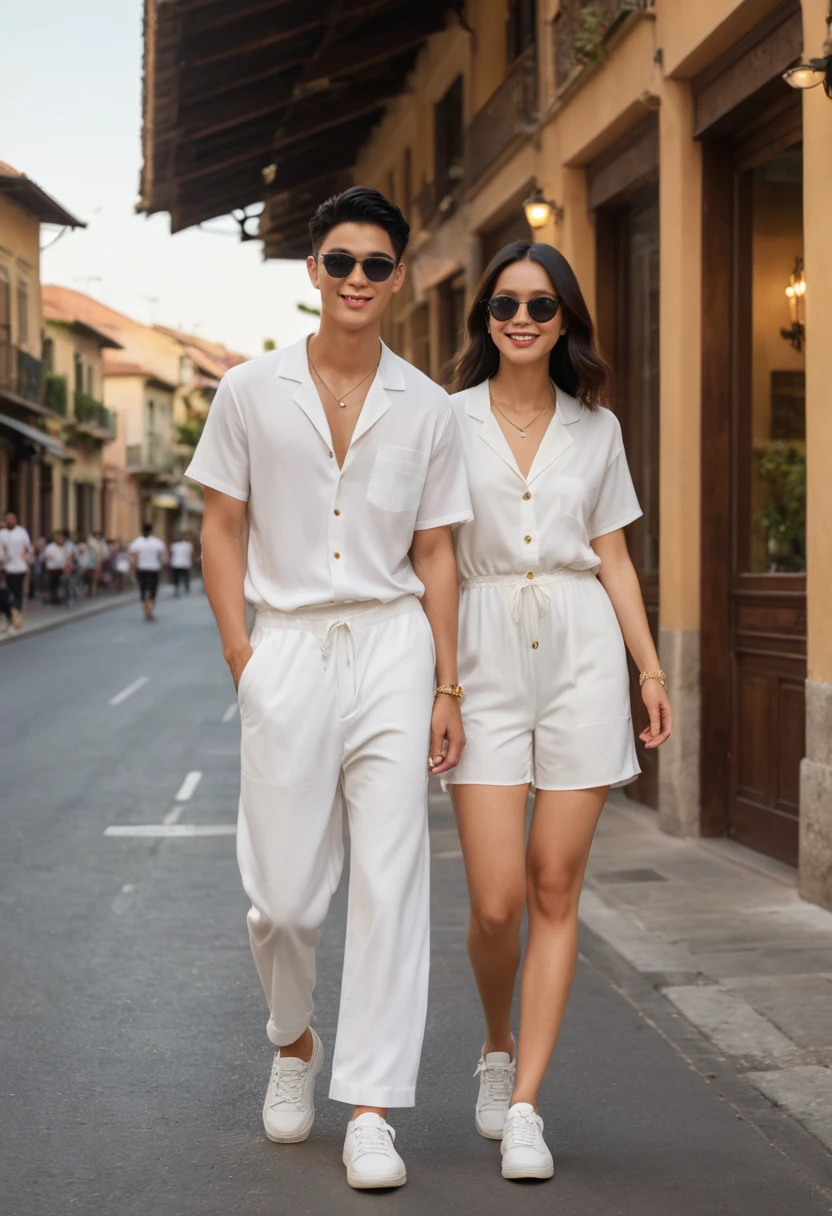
257	40
267	98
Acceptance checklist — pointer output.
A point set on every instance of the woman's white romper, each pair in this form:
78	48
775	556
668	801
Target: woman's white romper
542	659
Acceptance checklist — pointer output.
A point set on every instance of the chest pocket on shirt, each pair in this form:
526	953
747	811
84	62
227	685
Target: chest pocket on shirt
571	495
397	479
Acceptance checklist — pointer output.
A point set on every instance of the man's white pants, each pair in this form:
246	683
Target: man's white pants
335	706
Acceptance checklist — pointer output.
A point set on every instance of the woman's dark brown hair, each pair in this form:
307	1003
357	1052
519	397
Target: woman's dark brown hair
574	364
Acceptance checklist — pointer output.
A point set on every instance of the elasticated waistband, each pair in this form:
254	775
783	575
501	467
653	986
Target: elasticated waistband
320	618
520	580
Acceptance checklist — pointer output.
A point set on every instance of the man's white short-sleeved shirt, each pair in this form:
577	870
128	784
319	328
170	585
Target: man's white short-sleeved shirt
578	488
14	545
150	552
181	555
319	534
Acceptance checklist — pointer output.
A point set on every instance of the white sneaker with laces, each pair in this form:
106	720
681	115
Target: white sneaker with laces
496	1072
524	1150
289	1109
371	1160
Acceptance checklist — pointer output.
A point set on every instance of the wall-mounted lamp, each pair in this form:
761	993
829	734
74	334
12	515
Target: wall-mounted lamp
540	210
796	295
813	72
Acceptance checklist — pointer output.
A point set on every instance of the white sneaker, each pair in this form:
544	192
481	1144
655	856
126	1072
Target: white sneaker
289	1109
524	1150
496	1072
369	1155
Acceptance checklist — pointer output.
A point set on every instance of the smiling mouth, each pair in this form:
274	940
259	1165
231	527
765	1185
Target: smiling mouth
356	301
522	339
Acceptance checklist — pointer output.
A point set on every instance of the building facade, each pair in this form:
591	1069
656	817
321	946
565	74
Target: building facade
73	369
34	459
688	186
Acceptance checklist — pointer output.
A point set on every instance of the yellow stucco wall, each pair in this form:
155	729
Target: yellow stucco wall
817	186
20	259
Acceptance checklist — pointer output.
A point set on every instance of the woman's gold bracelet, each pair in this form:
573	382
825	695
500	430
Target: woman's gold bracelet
644	676
453	690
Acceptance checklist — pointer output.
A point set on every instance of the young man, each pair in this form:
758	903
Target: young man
148	554
181	560
56	560
15	553
348	463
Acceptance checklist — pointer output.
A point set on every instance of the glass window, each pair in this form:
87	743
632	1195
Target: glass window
775	392
22	312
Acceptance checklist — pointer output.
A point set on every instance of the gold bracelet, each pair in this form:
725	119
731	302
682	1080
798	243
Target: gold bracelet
453	690
644	676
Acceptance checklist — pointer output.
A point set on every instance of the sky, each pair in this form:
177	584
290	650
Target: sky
70	119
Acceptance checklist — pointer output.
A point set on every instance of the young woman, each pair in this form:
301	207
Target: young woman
548	590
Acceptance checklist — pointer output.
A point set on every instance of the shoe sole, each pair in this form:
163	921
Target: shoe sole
303	1134
372	1185
486	1134
541	1171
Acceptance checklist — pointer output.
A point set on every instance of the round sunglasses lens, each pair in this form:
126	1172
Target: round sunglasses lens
502	308
338	265
542	309
378	270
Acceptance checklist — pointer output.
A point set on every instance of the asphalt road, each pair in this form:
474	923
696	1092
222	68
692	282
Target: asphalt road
134	1057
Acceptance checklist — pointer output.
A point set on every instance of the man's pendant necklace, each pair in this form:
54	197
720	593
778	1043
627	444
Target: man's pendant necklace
335	396
521	429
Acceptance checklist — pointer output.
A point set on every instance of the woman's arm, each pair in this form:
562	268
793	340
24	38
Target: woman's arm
620	581
432	556
223	573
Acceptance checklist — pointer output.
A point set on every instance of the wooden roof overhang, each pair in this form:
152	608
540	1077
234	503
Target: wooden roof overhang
269	100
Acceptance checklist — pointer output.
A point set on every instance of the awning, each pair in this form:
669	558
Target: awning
167	502
51	445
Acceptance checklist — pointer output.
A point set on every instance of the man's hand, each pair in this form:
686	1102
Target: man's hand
447	738
237	662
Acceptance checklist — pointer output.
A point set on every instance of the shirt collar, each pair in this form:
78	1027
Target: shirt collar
478	404
295	366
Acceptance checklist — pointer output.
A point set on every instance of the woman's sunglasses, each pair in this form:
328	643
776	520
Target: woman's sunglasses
541	308
339	265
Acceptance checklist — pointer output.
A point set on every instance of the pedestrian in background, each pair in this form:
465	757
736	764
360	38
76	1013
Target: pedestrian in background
548	590
121	565
148	554
56	562
181	562
15	553
37	569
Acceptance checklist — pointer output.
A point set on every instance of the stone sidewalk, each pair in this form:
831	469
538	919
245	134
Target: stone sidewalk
722	932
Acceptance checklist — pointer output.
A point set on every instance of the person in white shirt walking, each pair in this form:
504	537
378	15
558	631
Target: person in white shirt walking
549	601
181	562
15	553
56	559
148	554
348	463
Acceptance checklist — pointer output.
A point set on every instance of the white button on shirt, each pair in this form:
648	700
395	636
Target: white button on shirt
578	488
319	534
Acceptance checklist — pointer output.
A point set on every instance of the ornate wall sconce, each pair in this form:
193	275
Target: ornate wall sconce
540	210
813	72
796	295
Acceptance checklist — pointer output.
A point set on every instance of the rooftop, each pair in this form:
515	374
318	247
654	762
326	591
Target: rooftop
22	190
269	100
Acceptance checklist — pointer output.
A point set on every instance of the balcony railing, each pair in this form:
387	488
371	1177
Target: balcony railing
582	31
509	114
55	393
21	373
95	416
151	456
440	197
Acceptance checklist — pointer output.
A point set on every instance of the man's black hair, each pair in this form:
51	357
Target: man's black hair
147	527
360	205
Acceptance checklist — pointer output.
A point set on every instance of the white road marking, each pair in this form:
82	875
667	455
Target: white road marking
172	816
123	900
188	786
230	712
178	830
129	690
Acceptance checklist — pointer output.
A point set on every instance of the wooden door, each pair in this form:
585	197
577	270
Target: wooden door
753	488
768	576
628	322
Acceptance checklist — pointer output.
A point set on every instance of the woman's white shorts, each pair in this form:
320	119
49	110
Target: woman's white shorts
547	696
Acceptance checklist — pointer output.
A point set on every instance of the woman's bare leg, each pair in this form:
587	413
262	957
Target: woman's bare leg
491	821
562	829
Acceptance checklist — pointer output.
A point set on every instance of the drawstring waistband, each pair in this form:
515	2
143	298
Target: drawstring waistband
528	592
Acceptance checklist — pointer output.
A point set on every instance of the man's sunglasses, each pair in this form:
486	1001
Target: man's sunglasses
339	265
541	308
